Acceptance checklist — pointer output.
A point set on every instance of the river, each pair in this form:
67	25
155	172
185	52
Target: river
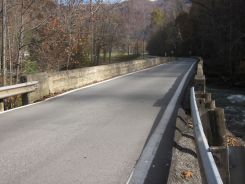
233	102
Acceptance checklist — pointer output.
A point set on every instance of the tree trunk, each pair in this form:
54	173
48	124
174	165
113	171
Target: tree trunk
20	38
10	59
110	50
104	55
4	28
69	51
128	49
98	55
137	48
92	30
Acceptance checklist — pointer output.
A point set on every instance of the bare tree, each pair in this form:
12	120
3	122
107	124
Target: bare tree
4	31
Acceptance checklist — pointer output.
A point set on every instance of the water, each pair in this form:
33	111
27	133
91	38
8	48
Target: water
233	102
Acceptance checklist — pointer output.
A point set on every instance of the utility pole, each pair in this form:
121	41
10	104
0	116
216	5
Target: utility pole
4	29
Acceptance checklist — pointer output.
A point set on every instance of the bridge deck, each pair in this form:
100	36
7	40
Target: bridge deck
94	135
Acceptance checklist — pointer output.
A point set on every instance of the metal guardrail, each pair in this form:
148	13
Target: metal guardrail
211	172
18	89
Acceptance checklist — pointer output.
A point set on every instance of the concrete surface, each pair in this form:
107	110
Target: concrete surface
184	158
43	85
94	135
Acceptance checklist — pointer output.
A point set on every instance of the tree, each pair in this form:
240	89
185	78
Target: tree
4	31
20	18
213	29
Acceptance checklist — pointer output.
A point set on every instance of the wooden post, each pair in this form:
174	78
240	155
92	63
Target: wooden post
206	127
200	61
199	69
200	80
220	118
213	121
201	105
210	105
208	97
217	124
4	32
200	83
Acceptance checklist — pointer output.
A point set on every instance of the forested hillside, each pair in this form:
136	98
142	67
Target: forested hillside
54	35
213	29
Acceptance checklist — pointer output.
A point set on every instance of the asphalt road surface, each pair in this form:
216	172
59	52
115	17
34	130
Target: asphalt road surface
91	136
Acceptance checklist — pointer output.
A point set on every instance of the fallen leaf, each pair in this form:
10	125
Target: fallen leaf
231	141
186	174
190	125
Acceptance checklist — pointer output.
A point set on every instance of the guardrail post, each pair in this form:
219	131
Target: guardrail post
23	89
200	80
210	105
1	105
215	131
217	125
201	105
208	97
208	165
213	122
200	83
25	99
201	62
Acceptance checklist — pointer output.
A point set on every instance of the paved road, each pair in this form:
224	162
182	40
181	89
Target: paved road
91	136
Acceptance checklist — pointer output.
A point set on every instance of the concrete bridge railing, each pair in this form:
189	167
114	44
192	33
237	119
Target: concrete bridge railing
52	83
58	82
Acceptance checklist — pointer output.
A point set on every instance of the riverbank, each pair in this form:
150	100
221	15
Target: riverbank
232	99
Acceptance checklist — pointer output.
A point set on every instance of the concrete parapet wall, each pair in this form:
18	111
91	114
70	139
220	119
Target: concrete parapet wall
43	86
57	82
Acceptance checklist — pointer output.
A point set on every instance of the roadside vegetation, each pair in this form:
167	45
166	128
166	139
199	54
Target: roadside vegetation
55	35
